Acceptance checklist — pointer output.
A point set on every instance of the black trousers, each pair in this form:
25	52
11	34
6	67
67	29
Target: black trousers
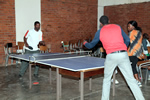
134	61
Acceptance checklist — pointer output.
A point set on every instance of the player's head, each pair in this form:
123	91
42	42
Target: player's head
145	36
133	25
37	25
104	20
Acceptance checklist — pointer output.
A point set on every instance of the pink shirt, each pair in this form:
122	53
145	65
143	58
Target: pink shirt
112	39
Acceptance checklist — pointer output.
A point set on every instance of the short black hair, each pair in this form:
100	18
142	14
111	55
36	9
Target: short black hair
145	36
104	19
37	22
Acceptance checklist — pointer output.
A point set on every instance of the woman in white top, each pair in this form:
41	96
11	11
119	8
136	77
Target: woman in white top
145	43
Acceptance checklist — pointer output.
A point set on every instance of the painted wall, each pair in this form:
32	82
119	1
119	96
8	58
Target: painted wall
102	3
122	14
26	12
7	26
65	20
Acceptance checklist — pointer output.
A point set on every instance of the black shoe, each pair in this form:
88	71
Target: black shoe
36	75
20	77
35	79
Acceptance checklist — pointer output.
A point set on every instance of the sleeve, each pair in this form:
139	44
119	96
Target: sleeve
144	42
125	38
94	41
27	34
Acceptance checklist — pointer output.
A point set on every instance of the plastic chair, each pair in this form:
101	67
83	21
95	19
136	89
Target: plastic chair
66	46
20	47
49	47
143	64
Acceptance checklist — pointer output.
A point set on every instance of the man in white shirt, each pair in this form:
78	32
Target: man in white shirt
32	39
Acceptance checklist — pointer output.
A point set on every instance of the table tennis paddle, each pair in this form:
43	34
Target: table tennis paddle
30	47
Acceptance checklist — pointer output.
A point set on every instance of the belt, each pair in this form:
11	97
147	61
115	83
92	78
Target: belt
119	51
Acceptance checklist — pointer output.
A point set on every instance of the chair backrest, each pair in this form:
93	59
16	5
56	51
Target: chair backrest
66	45
43	49
49	47
73	44
20	45
8	45
102	49
8	48
148	48
81	43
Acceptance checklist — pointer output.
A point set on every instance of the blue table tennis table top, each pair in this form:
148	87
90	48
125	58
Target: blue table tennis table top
71	62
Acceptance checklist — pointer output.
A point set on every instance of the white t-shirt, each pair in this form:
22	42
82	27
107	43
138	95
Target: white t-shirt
148	45
33	39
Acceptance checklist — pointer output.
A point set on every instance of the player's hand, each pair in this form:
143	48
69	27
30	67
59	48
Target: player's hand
30	47
84	42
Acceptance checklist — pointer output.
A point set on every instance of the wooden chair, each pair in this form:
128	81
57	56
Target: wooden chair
43	49
20	48
49	47
102	50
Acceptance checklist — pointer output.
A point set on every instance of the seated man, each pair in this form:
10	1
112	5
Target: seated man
32	39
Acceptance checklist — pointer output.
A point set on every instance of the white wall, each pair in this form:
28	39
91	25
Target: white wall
26	12
102	3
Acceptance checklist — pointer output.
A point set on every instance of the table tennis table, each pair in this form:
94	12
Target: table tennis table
69	62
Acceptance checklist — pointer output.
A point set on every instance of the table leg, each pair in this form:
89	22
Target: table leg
82	86
50	81
58	88
90	83
146	76
79	85
114	78
30	78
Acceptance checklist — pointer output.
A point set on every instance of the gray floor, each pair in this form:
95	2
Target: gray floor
11	88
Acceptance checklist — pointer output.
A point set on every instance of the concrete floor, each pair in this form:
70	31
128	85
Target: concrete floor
11	88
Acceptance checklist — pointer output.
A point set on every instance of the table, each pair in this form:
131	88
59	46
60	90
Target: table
69	62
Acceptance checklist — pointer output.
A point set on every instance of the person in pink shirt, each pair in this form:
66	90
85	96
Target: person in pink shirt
115	42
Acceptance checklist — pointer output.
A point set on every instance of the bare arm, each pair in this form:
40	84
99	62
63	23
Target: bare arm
25	42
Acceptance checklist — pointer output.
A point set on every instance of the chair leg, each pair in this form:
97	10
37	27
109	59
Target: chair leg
11	61
17	63
146	76
6	61
141	74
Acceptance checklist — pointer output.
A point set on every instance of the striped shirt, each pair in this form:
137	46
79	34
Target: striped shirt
135	47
